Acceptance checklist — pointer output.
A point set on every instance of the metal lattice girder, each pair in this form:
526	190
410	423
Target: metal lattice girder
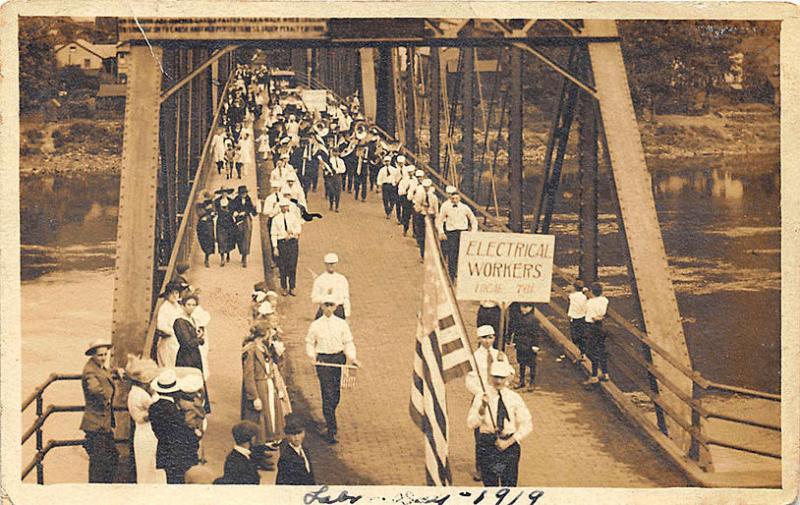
134	268
368	92
637	205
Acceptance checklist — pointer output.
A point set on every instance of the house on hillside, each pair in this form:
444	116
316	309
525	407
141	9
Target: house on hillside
109	62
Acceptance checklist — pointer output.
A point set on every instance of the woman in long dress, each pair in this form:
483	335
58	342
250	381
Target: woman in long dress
226	228
166	346
205	227
141	373
218	149
190	340
265	400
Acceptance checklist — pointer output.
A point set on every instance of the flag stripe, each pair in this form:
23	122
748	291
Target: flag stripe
447	322
453	346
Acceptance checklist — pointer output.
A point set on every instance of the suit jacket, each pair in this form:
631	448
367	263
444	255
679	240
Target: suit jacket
240	470
247	207
177	443
292	468
98	392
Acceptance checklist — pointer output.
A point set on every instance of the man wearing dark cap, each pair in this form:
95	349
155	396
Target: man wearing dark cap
98	420
294	465
240	467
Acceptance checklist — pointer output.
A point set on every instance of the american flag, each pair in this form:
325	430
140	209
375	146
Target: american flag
442	354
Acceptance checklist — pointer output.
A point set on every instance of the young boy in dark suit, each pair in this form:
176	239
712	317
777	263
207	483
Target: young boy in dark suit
294	465
240	465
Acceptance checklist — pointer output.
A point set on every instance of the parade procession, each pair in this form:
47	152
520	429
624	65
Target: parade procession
345	268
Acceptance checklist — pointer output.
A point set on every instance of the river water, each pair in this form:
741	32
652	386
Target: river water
721	230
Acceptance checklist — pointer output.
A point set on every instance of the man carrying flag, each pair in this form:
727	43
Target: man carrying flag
442	354
503	420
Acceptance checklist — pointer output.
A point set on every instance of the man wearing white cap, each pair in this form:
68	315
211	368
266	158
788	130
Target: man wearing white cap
295	190
426	203
332	283
477	382
330	341
285	233
454	217
403	203
386	178
503	420
414	186
281	171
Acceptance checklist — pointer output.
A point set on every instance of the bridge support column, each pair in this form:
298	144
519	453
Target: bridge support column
411	119
385	112
435	92
468	126
587	161
368	91
633	185
133	276
515	141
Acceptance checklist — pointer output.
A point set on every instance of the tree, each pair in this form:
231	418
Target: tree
37	64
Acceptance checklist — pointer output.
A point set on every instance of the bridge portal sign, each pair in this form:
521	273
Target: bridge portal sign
505	267
223	28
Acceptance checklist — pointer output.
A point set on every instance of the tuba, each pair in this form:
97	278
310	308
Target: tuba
360	130
321	129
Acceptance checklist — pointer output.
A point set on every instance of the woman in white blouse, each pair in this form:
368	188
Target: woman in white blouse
141	372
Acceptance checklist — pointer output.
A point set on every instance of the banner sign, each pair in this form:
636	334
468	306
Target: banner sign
222	28
316	100
505	267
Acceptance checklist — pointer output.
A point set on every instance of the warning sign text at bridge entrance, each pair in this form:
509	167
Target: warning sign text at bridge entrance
505	267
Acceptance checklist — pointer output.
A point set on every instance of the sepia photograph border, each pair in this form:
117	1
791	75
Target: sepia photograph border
12	490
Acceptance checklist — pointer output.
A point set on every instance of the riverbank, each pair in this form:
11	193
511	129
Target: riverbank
745	138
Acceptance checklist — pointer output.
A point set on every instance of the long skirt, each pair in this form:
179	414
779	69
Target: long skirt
144	450
270	419
244	231
226	236
206	236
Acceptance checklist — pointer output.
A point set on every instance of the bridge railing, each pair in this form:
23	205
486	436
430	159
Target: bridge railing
42	415
185	236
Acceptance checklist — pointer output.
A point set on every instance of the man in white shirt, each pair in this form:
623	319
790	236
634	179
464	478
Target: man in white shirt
426	203
285	232
294	190
333	179
281	171
477	382
454	217
331	283
503	420
577	317
596	308
330	341
402	197
386	177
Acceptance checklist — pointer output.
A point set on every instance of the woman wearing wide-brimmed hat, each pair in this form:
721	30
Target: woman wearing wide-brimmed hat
265	400
205	225
177	446
141	372
226	227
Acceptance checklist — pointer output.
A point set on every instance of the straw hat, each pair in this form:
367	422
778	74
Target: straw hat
141	370
96	344
167	382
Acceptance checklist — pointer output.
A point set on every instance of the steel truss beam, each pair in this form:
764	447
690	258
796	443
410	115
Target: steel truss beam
197	70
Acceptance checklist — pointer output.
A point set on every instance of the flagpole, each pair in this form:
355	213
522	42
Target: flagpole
451	295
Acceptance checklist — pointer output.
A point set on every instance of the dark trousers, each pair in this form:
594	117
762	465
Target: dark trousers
103	456
498	468
330	379
305	182
288	250
577	332
360	184
452	246
176	475
220	164
407	209
398	204
419	232
527	361
596	347
387	191
333	190
373	176
238	169
339	312
313	176
349	178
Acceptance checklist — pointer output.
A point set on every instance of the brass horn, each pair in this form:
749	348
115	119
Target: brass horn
361	130
321	128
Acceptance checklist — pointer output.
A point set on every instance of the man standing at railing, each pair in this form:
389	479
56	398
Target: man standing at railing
454	217
98	418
